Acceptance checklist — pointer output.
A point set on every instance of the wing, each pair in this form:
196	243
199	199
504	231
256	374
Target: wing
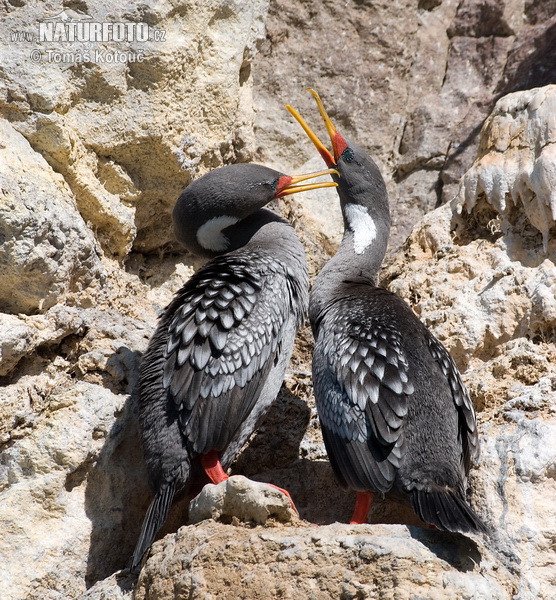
361	380
467	425
223	340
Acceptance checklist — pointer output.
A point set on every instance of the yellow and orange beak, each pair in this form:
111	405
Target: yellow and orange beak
287	184
338	142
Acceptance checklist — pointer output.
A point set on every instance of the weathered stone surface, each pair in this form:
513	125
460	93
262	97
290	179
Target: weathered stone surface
516	168
243	499
485	283
412	82
22	335
46	520
95	155
337	561
488	295
48	254
128	136
92	160
116	587
516	480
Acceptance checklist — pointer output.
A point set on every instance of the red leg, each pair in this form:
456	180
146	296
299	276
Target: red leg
211	464
363	503
287	494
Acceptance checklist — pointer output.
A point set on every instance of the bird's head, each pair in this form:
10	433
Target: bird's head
357	169
218	212
361	187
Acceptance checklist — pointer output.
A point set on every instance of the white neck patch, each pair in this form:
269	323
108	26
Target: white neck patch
362	225
210	235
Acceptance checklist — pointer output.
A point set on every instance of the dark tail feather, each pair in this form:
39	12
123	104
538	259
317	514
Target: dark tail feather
154	519
446	511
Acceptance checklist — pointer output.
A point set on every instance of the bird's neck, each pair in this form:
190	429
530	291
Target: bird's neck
357	260
265	233
255	228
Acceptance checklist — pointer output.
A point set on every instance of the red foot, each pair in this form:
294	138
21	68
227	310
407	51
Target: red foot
287	494
211	464
363	503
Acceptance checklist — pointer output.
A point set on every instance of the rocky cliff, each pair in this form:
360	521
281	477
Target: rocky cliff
98	136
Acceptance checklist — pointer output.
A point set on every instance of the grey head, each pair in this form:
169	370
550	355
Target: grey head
366	214
363	198
221	211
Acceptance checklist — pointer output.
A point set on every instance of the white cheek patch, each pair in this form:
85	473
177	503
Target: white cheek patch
210	235
362	225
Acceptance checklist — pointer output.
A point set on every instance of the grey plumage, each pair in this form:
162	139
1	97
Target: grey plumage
218	357
395	415
393	400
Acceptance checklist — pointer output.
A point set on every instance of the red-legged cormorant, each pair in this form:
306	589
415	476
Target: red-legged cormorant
394	412
217	359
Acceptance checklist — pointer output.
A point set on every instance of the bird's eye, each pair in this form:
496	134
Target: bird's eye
348	155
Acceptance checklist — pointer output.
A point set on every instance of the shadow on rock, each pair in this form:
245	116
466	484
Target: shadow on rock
272	456
276	443
532	61
459	551
314	490
116	496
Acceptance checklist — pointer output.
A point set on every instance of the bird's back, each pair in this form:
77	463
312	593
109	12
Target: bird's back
218	356
379	370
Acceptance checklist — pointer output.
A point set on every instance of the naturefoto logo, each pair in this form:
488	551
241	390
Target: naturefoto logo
75	37
74	26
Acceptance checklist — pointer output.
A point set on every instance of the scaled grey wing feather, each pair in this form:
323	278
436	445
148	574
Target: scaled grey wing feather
362	399
467	428
223	340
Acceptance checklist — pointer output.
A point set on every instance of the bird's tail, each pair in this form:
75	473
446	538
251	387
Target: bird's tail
447	511
154	519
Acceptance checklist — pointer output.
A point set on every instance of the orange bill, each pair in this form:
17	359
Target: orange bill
338	142
287	184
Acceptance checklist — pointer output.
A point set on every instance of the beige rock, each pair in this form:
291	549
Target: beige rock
22	335
95	154
128	136
484	282
243	499
411	81
487	294
472	294
16	339
516	167
118	586
92	159
516	481
337	561
45	520
48	253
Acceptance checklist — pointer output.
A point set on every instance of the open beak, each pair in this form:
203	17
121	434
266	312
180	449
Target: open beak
338	142
287	184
